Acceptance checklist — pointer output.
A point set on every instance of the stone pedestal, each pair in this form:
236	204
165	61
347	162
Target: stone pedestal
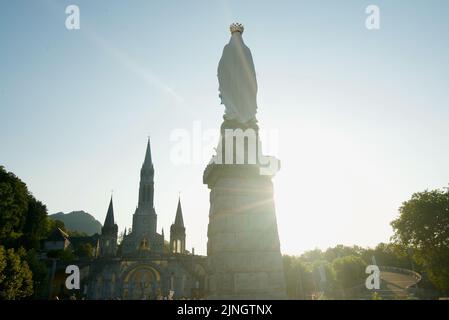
243	248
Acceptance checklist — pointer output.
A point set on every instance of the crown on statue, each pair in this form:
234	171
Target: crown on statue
236	27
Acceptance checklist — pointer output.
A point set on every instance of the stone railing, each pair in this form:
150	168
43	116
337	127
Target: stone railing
413	274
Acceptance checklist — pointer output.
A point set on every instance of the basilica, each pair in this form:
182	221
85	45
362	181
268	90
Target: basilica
244	259
144	265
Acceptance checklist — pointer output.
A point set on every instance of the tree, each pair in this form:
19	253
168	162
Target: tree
341	251
23	219
36	225
298	278
55	224
423	225
76	234
40	274
84	250
312	255
387	254
349	273
13	207
324	277
16	279
23	224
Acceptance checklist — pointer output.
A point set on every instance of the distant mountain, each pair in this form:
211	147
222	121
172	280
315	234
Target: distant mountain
78	221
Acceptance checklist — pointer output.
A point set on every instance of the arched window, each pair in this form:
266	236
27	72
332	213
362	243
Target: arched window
178	246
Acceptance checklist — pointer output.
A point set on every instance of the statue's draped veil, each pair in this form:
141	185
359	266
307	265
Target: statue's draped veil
237	81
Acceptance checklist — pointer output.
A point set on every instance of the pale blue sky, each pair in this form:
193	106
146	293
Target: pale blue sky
362	115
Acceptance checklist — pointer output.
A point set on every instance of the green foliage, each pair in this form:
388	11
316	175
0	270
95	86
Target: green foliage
55	224
312	255
37	224
13	207
339	263
16	279
84	250
424	220
66	256
23	219
298	278
76	233
423	225
303	278
323	268
40	273
421	243
349	272
376	296
23	224
341	251
387	254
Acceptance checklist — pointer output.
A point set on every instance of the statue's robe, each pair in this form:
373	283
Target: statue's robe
237	81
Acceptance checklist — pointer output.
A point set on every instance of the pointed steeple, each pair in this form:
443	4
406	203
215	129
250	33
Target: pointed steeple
109	221
178	232
146	189
109	233
179	221
163	235
148	162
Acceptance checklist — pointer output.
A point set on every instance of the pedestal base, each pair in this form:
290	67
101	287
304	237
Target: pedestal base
243	247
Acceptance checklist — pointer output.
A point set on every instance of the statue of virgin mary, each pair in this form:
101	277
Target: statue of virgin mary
237	79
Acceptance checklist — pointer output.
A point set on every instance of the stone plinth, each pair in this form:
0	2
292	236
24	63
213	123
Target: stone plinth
243	248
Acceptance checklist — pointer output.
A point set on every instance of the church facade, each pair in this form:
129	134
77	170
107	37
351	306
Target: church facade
143	265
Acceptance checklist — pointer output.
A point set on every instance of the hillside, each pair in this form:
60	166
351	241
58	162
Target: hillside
78	221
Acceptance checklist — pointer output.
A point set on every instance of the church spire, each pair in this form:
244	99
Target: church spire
109	221
146	189
179	221
148	162
109	233
178	232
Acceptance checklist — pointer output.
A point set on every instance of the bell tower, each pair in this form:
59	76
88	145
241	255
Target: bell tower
145	218
146	188
109	231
